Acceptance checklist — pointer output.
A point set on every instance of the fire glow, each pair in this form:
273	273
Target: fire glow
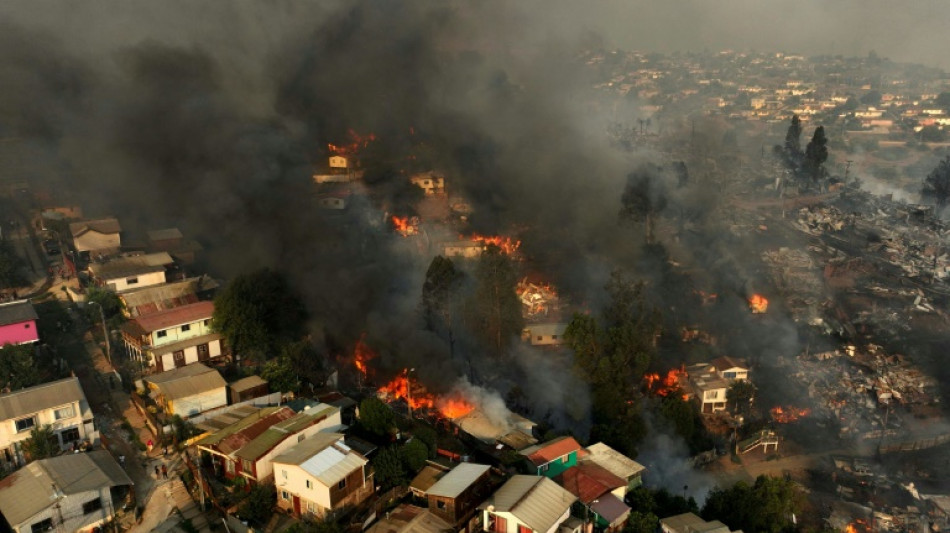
507	245
361	356
356	143
404	226
667	385
785	415
758	303
452	406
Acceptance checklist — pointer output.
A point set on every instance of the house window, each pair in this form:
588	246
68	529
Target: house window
179	358
341	484
309	484
712	395
440	504
523	529
131	281
543	468
540	338
207	322
553	337
311	508
301	437
161	334
45	525
69	435
230	467
64	412
25	424
283	474
284	495
92	506
186	327
26	326
729	375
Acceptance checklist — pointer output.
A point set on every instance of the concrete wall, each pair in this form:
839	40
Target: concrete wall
141	280
181	332
199	403
191	354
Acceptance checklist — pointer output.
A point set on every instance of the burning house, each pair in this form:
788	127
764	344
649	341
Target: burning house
433	183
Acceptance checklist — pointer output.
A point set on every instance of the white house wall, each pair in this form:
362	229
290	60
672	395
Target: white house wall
512	523
199	403
176	333
9	434
70	509
265	466
141	280
295	484
191	354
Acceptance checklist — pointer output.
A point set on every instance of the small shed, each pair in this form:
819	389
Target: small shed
247	389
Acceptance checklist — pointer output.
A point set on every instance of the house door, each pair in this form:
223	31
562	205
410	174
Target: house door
296	506
179	358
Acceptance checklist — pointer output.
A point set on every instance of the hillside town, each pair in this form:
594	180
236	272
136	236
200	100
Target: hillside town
751	339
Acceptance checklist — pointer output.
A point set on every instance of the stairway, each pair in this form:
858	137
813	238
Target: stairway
189	510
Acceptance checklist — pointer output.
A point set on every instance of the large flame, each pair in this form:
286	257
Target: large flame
537	298
785	415
405	226
507	245
758	303
667	385
361	355
454	407
451	406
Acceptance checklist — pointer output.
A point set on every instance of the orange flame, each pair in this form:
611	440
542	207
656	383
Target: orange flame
758	303
667	385
404	226
454	407
361	355
507	245
398	389
356	143
785	415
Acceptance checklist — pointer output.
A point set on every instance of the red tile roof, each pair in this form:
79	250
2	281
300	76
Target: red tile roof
549	451
176	316
589	481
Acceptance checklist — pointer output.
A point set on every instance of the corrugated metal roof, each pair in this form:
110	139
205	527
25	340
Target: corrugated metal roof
247	383
160	297
536	501
410	519
18	311
46	396
690	523
240	425
589	481
186	381
457	480
99	225
29	490
185	314
426	478
614	461
611	508
280	431
130	266
323	456
548	451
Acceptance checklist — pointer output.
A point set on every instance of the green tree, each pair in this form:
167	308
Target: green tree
182	429
816	153
644	198
428	436
937	184
686	422
739	396
414	454
306	362
11	268
639	522
767	505
258	507
495	307
112	307
932	134
389	468
375	416
259	313
42	443
280	374
943	100
18	368
793	143
872	98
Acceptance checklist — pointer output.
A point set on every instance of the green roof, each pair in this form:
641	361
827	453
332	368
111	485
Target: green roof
242	424
264	442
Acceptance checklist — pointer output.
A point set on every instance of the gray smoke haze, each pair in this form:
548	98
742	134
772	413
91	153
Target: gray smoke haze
211	116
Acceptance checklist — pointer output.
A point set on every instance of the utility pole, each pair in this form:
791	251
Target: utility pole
105	331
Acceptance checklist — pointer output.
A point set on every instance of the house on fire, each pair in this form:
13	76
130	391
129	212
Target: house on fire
464	249
18	323
72	492
431	182
320	475
527	504
174	338
710	381
60	404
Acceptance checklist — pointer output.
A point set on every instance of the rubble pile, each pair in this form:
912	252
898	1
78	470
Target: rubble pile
794	273
538	300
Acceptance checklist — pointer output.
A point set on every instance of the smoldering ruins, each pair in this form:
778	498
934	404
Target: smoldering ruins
398	161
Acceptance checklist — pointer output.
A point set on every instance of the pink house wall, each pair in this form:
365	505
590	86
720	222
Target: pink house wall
19	333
